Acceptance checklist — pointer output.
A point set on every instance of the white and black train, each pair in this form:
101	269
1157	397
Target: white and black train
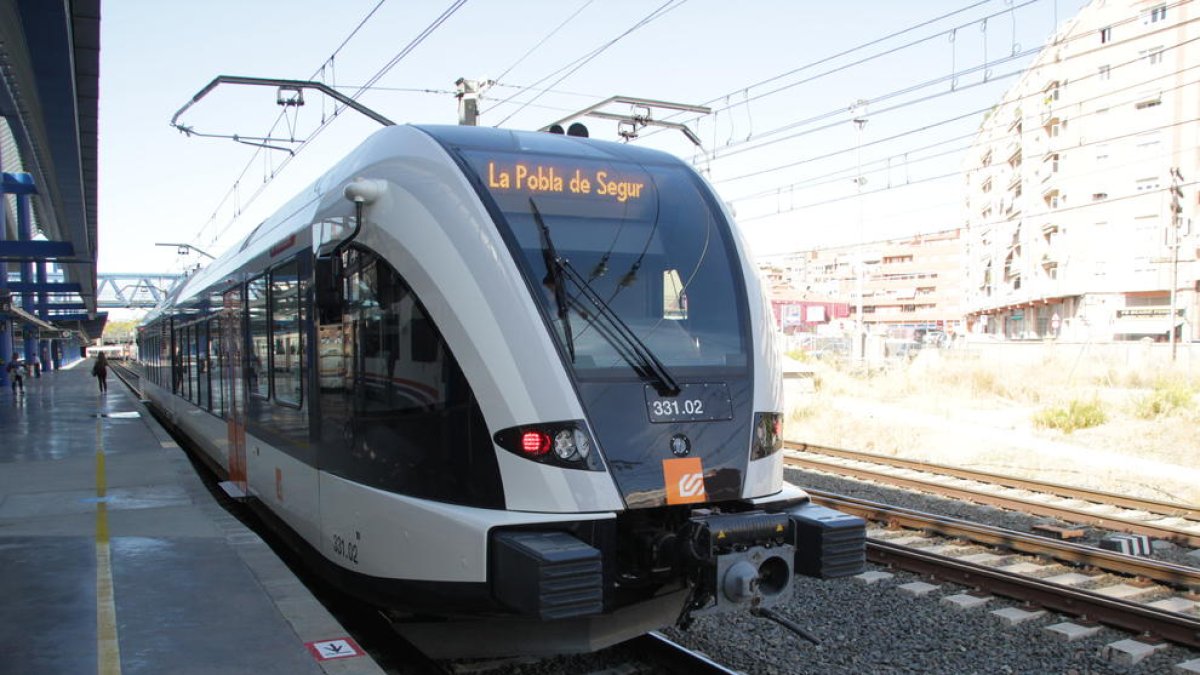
517	384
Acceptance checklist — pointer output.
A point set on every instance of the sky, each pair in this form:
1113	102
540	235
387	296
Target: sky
786	81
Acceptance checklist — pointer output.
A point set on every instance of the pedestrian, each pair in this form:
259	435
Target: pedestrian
100	372
16	371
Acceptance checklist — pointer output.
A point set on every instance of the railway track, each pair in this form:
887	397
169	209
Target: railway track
128	376
673	657
1136	594
1161	520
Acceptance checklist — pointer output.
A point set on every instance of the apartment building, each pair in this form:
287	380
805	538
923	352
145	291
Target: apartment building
915	282
1081	211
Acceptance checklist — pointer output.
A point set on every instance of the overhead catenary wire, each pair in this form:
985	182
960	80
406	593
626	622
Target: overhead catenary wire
1032	95
405	51
888	95
1135	87
950	31
249	163
544	39
959	174
659	12
984	225
747	100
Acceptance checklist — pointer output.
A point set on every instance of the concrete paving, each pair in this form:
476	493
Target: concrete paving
117	559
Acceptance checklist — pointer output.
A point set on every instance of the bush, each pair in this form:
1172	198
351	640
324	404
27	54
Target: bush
1166	398
1076	415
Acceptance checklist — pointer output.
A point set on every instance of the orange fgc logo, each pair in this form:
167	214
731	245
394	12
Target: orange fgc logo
685	480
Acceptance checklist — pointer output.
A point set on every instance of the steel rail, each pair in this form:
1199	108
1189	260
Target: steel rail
126	375
1077	515
1068	491
1171	626
1078	554
675	657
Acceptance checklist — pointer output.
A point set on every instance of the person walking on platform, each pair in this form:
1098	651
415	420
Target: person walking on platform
100	372
15	371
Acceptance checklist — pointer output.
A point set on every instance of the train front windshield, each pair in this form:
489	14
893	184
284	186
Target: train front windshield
644	241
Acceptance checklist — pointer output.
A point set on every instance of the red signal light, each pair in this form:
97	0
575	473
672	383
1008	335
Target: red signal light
535	443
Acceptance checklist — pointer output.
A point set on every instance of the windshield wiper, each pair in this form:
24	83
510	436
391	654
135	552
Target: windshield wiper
632	348
665	383
554	278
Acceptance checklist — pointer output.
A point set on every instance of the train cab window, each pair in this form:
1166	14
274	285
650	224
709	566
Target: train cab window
258	368
286	349
648	241
397	412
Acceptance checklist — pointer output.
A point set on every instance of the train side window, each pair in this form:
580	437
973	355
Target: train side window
185	358
215	370
200	344
286	350
258	368
397	413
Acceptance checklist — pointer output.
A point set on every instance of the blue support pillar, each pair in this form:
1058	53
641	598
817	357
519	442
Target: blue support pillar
43	344
25	233
6	350
6	326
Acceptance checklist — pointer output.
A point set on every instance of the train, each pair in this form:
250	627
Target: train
518	389
121	351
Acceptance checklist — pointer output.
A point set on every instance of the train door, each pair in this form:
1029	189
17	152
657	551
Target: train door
231	344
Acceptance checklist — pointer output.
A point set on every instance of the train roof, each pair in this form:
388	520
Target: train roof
508	140
390	142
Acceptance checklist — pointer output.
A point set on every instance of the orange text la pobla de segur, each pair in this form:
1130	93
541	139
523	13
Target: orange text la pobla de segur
547	179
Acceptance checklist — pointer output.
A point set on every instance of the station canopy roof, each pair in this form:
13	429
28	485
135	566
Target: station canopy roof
49	95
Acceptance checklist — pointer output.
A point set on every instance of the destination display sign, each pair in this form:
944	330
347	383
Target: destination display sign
533	177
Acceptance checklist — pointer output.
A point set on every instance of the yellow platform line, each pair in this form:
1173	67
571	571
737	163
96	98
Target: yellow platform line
108	650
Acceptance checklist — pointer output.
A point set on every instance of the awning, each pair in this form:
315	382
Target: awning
28	318
1144	326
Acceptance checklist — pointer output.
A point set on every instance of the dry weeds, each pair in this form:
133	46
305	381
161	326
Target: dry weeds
960	408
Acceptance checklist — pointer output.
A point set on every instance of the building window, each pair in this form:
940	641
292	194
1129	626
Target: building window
1097	196
1105	72
1106	35
1155	14
1154	55
1147	184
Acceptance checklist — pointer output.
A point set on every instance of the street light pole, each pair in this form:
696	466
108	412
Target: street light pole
1176	208
860	337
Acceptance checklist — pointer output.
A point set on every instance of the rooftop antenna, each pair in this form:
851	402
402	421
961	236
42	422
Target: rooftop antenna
640	116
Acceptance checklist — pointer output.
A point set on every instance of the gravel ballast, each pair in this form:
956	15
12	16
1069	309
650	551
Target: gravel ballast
877	629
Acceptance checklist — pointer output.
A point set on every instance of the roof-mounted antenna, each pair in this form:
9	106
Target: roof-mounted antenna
628	124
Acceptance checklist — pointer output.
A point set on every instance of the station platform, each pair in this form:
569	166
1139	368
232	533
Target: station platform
116	559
